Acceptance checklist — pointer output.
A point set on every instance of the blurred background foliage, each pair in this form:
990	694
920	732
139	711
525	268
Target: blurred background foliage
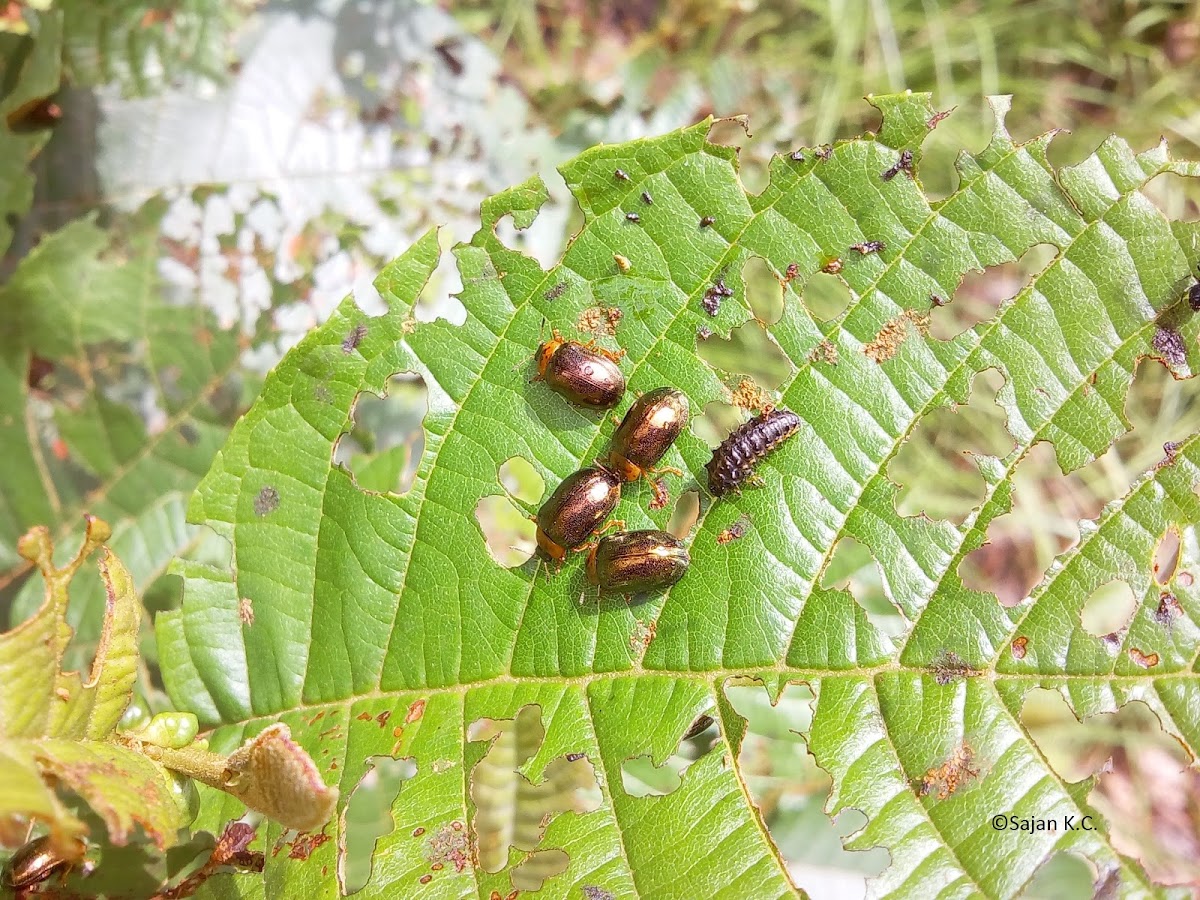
204	180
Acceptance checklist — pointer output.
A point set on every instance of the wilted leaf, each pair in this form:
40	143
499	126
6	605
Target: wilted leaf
382	626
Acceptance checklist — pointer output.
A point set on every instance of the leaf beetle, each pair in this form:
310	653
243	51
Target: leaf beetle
635	562
585	374
646	433
581	502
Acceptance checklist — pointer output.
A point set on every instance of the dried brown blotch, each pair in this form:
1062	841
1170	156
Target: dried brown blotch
642	634
266	502
304	845
1145	660
950	775
949	666
450	844
661	495
825	352
894	333
600	319
748	395
1019	647
415	712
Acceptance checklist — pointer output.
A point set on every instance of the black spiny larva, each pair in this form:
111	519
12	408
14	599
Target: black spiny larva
733	462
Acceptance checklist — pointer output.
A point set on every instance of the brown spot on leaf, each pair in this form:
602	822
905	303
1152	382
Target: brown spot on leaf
1145	660
383	717
415	712
1020	647
364	716
425	879
950	775
266	502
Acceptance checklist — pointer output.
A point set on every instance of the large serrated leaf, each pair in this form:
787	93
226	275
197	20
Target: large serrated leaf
381	626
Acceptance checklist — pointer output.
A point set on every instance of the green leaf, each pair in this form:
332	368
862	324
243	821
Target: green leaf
55	728
30	66
92	319
381	625
145	47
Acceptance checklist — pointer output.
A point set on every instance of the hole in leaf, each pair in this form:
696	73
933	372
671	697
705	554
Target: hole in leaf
980	294
642	778
1109	609
1044	522
369	817
538	867
749	350
715	423
853	568
510	535
1166	556
935	476
1062	875
791	792
367	297
763	291
511	810
1145	789
826	296
439	298
1177	198
386	438
685	514
521	479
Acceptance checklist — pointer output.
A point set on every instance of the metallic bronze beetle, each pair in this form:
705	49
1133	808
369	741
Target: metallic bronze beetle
634	562
583	373
646	433
39	860
576	509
